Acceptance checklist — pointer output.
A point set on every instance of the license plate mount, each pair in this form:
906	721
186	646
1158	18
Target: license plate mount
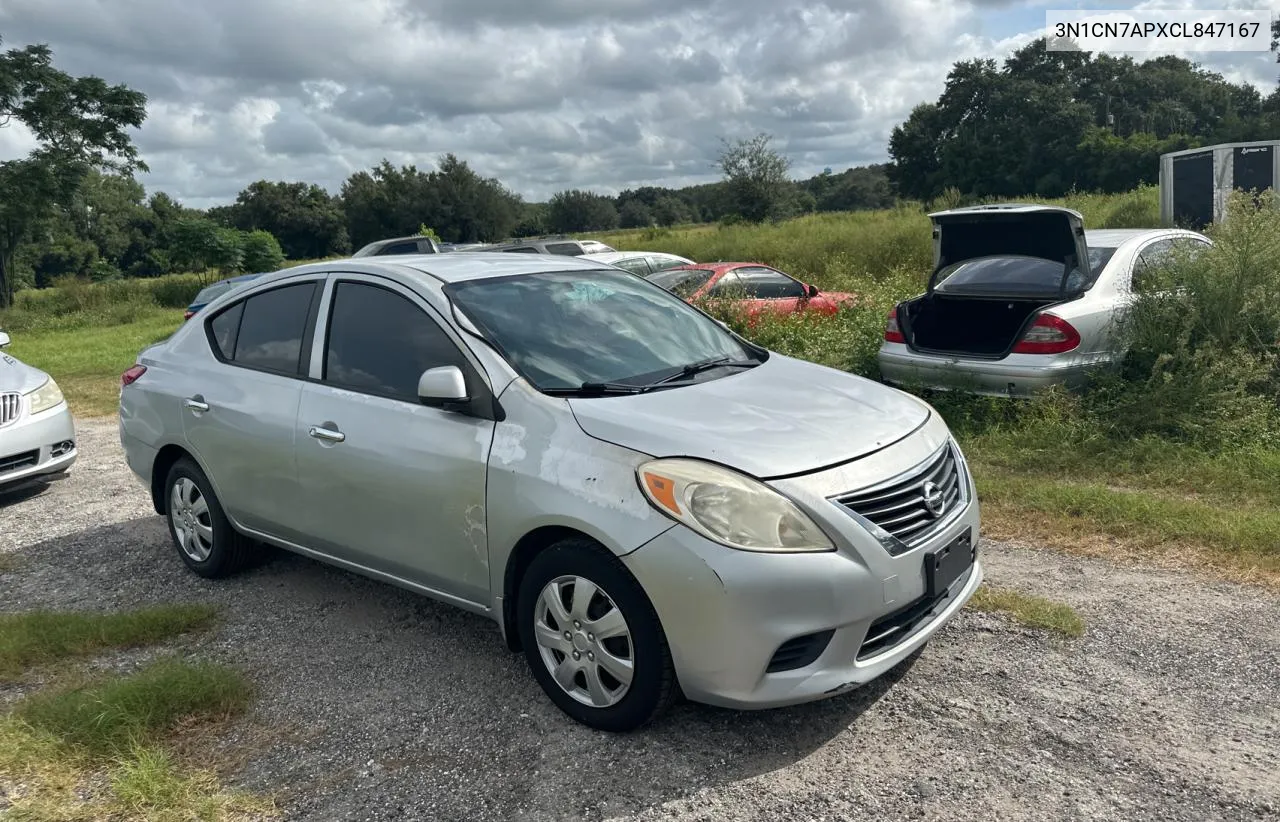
947	564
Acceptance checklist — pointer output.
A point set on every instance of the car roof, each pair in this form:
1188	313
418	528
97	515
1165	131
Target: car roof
1115	237
454	268
614	256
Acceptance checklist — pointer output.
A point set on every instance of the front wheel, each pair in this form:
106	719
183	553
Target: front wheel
593	639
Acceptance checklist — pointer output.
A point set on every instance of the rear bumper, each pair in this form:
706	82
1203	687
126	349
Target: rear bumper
1014	376
36	447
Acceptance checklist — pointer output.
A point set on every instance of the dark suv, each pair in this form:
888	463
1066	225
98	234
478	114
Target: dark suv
399	245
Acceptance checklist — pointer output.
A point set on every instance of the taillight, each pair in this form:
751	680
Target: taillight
188	315
891	331
1048	335
131	376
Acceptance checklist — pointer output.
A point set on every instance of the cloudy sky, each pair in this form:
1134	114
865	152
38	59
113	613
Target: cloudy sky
543	94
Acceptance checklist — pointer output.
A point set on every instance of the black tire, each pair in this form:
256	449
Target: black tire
652	687
229	551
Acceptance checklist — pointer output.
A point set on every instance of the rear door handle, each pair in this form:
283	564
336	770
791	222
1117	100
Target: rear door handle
327	434
196	403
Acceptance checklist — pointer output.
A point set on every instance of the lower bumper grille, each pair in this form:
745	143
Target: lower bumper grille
897	627
16	462
799	652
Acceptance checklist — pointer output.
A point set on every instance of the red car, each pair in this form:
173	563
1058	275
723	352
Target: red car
756	288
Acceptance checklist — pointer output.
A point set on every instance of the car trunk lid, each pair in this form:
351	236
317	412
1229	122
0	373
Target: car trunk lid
1022	259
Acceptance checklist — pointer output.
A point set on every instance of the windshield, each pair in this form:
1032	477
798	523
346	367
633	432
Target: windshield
1014	275
562	329
681	282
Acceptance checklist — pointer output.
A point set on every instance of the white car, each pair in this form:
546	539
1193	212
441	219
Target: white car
643	263
37	432
1010	310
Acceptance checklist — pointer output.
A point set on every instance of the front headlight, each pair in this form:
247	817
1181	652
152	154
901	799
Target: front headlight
729	508
45	397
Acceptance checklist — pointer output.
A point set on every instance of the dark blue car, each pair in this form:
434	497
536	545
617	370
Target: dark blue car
209	293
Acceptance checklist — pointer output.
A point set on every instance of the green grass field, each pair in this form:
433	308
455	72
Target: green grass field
1053	477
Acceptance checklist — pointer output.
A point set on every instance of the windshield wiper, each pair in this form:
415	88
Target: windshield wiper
706	365
595	388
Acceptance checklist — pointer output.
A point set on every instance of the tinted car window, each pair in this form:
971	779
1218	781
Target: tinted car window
1008	276
636	265
564	249
727	286
272	327
524	249
400	248
561	329
224	327
380	342
762	283
683	283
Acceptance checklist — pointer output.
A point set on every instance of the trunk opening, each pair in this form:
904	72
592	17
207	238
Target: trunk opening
974	326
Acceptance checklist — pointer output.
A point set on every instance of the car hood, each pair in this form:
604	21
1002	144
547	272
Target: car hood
1049	232
782	418
15	375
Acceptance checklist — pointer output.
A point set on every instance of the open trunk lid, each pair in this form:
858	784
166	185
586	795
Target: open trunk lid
1046	232
995	269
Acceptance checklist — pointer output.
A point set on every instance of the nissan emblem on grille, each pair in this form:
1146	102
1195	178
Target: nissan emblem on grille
911	507
934	500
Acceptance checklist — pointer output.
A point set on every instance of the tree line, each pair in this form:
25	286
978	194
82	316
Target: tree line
1042	123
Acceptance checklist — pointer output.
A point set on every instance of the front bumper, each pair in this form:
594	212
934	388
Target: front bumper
37	446
726	613
1014	376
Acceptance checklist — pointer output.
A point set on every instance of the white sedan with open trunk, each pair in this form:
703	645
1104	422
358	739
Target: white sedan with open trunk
1011	310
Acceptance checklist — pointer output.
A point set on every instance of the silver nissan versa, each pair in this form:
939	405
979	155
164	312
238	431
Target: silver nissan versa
645	503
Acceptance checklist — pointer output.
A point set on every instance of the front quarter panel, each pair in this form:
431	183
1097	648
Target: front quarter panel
544	471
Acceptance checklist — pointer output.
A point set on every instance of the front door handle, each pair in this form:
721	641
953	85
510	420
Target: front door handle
196	403
326	434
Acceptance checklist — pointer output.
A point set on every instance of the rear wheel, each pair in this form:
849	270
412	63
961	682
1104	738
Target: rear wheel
201	532
592	638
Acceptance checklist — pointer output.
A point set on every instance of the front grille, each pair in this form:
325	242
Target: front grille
899	505
16	462
799	652
888	631
10	405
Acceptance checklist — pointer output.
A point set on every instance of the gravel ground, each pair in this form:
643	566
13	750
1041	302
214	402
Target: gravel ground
390	706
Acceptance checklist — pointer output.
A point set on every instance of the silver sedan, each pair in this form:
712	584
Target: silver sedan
645	503
1011	309
37	432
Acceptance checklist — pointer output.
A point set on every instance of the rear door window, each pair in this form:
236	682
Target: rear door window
761	283
270	330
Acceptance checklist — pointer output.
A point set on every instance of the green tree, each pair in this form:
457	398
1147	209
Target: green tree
577	210
756	174
79	123
261	251
634	214
307	221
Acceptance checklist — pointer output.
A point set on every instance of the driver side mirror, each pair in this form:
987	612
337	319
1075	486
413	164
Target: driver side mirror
811	291
4	339
443	386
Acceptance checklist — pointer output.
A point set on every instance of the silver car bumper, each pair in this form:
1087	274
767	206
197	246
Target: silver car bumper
1014	376
727	614
37	446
